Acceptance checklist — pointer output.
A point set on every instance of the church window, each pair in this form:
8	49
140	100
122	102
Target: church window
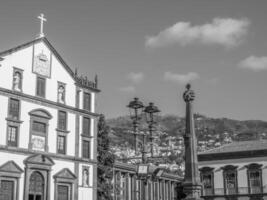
61	144
86	149
17	79
12	132
86	126
14	109
39	129
62	120
36	187
87	101
40	86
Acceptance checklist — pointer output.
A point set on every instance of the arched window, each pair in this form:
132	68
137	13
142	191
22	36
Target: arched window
207	179
230	179
39	119
36	187
254	174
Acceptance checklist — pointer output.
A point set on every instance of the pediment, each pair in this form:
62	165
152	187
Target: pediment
65	173
10	167
206	169
41	113
39	159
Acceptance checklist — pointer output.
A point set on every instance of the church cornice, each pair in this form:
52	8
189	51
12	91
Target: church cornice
45	102
28	152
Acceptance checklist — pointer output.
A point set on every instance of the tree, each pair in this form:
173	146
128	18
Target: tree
105	160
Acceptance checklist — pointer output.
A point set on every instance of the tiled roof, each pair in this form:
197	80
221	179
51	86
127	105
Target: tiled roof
252	145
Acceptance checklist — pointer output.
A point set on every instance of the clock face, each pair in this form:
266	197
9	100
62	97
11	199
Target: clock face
41	65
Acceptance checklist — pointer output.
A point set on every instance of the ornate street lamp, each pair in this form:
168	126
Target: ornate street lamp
150	111
136	109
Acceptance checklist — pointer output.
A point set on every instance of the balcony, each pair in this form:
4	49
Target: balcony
234	191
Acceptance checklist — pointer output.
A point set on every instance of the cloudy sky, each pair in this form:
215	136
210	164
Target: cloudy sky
151	48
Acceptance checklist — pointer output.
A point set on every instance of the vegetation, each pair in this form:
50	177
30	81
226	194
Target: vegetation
105	162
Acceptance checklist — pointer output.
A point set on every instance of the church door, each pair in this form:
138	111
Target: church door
7	190
63	192
36	187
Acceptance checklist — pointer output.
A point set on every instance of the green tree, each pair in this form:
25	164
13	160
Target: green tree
105	160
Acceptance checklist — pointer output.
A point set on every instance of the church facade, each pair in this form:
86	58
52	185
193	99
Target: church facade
48	126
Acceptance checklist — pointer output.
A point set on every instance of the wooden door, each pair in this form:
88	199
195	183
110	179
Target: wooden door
7	190
36	188
62	192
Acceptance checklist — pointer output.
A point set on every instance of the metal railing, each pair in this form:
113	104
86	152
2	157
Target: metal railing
234	191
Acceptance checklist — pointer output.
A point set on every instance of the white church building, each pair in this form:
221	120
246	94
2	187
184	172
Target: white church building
48	126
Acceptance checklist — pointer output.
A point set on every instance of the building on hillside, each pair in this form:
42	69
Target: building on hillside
127	186
235	171
48	123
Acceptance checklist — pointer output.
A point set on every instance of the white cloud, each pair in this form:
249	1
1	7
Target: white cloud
128	89
181	78
254	63
136	77
223	31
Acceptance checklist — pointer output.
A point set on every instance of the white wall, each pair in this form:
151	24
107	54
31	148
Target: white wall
23	60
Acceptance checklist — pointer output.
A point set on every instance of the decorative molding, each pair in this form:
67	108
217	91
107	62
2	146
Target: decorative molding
28	152
254	166
45	102
64	174
232	155
11	167
206	169
229	167
40	159
41	113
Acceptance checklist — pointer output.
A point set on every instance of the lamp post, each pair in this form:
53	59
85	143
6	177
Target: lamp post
150	112
136	109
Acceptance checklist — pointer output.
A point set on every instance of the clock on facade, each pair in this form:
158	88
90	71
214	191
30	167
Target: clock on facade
41	65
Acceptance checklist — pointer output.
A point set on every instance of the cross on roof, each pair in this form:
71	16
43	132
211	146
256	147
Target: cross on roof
42	20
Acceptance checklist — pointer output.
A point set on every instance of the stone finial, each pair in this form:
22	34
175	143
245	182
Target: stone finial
96	80
189	94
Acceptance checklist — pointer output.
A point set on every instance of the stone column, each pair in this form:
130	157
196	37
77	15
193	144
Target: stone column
191	185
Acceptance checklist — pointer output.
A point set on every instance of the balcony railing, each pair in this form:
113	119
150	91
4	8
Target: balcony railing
234	191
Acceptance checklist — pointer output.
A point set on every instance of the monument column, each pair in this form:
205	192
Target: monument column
191	184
